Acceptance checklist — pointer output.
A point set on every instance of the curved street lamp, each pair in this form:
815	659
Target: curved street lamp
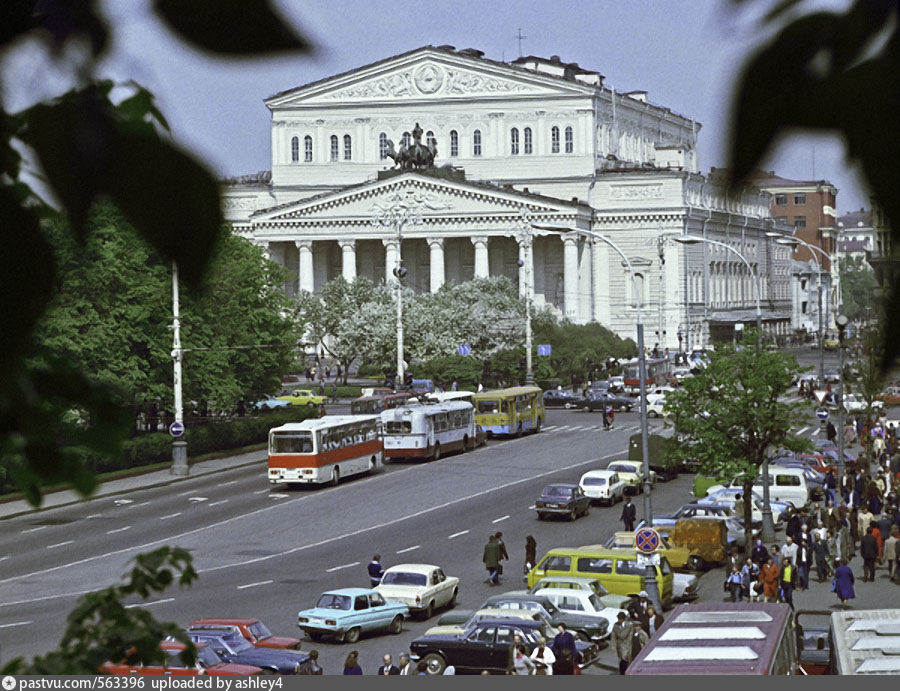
768	525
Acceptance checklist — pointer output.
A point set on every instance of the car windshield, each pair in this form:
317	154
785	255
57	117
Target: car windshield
555	491
292	442
488	407
596	601
207	657
619	468
259	630
236	641
332	601
594	481
404	578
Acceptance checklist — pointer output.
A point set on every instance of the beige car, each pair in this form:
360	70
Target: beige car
631	473
421	587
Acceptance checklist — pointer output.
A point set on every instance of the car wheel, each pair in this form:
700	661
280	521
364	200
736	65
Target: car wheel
267	671
310	404
541	515
586	409
434	664
573	514
587	510
652	413
428	611
452	603
351	635
396	625
315	635
696	563
467	445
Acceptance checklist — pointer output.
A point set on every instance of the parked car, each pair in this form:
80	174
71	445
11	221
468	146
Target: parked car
588	585
253	630
856	404
632	474
562	499
598	400
270	403
728	496
658	393
207	663
656	408
560	398
299	397
787	485
345	613
587	628
890	396
603	486
582	602
616	384
693	511
421	587
485	646
229	644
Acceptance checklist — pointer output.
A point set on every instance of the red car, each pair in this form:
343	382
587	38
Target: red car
207	663
254	631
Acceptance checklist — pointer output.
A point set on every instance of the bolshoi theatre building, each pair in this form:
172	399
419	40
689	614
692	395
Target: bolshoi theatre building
463	167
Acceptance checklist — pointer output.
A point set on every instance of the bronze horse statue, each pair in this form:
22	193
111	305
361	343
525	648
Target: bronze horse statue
416	156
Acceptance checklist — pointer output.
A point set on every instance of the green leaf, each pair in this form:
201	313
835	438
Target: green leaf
59	21
232	27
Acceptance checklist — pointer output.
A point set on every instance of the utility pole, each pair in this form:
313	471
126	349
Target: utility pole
176	429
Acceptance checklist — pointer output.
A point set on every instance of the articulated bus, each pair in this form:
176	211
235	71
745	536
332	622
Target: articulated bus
324	450
510	411
428	430
723	639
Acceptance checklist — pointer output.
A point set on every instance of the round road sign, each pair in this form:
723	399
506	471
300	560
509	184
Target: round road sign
646	540
176	429
822	413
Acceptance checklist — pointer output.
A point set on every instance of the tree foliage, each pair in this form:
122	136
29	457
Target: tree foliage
857	287
733	414
828	71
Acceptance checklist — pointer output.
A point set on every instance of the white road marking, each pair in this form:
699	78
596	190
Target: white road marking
122	502
260	491
60	544
147	604
279	496
171	515
34	530
7	556
461	532
803	430
118	530
815	433
216	503
253	585
408	549
532	507
184	494
343	566
143	503
15	623
230	482
502	518
94	515
197	500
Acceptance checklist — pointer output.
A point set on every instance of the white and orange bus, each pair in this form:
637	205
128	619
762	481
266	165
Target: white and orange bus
325	449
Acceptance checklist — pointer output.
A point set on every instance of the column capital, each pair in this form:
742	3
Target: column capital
571	239
479	240
435	243
347	245
303	244
389	242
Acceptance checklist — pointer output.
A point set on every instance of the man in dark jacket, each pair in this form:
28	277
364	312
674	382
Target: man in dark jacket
629	514
563	643
491	559
375	570
793	525
868	550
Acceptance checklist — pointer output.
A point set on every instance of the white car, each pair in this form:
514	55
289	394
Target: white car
655	408
658	394
583	603
854	404
728	496
589	585
631	473
421	587
685	587
603	486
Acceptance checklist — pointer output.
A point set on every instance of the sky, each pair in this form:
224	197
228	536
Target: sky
685	53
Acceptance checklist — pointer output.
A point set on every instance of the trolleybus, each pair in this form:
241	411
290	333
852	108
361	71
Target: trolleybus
324	450
428	430
511	411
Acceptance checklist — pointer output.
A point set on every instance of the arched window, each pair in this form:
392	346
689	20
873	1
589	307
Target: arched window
454	143
527	134
334	147
348	148
429	139
514	140
554	140
476	143
307	149
295	149
406	139
570	140
382	146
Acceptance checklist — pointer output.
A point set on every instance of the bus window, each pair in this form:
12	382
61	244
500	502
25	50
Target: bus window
397	427
488	407
292	442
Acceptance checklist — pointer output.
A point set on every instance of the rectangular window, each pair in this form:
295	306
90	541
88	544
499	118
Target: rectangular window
780	200
570	140
799	221
800	198
476	143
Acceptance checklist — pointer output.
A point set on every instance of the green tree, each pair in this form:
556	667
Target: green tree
733	414
857	287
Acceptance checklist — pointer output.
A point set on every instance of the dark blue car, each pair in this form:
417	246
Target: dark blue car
229	644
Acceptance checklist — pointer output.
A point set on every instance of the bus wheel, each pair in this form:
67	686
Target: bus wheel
436	455
519	430
537	426
466	445
335	476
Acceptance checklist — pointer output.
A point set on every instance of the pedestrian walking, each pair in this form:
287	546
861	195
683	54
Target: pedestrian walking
491	559
637	640
787	581
843	582
406	666
629	514
334	392
868	550
789	551
311	664
504	555
734	584
890	551
522	663
388	668
543	658
351	664
621	639
820	551
768	576
830	431
759	554
375	571
530	553
605	412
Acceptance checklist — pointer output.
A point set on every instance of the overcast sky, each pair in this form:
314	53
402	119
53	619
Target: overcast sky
684	53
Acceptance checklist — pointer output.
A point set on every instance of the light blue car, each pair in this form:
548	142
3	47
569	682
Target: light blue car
729	496
346	613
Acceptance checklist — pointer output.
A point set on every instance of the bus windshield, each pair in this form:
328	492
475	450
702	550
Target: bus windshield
398	427
488	406
292	442
367	406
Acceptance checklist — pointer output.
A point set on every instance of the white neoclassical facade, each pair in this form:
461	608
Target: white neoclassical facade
528	154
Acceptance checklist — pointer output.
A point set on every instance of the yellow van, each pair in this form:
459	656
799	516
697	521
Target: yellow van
616	569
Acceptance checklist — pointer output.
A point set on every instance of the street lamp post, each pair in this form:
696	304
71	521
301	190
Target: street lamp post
179	445
768	525
841	322
651	583
525	237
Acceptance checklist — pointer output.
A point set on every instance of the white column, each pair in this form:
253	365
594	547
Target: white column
348	259
391	259
570	276
436	263
305	270
585	288
602	309
482	267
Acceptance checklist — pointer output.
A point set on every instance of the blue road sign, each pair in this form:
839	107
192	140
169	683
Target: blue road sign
464	349
176	429
822	414
544	349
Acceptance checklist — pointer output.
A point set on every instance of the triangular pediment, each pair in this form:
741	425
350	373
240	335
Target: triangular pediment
424	75
438	198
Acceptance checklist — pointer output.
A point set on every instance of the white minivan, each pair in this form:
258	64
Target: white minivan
785	484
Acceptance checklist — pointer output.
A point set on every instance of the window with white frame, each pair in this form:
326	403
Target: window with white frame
554	140
348	148
476	143
295	149
307	149
528	143
570	140
382	146
334	147
514	140
454	143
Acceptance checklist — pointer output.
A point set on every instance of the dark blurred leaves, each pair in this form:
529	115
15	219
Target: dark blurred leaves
232	27
831	72
61	20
